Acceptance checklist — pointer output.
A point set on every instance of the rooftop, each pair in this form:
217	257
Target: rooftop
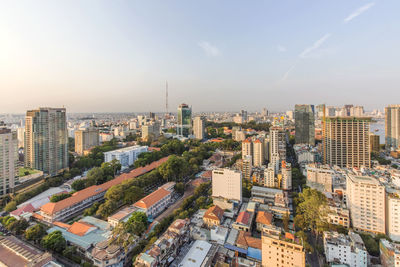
152	198
197	254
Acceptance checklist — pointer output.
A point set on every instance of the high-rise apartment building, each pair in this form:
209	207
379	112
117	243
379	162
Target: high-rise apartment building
304	124
184	125
198	127
151	130
247	167
366	202
46	140
8	160
392	127
393	214
269	176
280	249
227	184
374	142
258	152
247	148
346	141
86	139
286	171
277	146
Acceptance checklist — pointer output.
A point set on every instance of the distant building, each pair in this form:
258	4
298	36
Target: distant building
392	127
184	125
346	141
46	140
304	122
8	160
86	139
258	152
269	176
152	130
247	167
277	145
374	142
345	249
366	202
126	156
227	184
319	177
281	250
198	127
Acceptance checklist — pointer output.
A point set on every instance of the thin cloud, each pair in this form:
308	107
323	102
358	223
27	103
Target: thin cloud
209	49
281	48
315	46
358	12
286	75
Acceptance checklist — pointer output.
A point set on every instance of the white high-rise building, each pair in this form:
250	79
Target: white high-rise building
286	183
277	142
392	127
258	152
198	127
393	214
227	184
366	202
269	176
8	160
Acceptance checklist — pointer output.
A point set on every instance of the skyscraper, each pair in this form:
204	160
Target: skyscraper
346	141
198	127
46	140
8	160
304	123
247	148
277	146
184	125
258	152
392	127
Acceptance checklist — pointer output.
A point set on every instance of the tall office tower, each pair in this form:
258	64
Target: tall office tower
374	142
269	176
304	123
227	184
286	183
8	160
86	139
198	127
366	202
392	127
258	152
346	141
247	167
184	126
247	148
281	249
243	114
277	145
46	140
264	112
21	136
357	111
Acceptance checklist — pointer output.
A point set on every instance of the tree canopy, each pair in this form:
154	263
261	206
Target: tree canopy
54	241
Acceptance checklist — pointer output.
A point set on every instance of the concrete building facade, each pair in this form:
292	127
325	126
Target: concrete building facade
8	160
227	184
86	139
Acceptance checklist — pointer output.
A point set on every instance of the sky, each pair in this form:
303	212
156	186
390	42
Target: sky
226	55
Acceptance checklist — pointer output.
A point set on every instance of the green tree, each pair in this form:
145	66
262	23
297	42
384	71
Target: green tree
175	169
132	195
137	223
95	176
35	233
106	209
78	184
18	226
54	241
59	197
311	210
12	205
180	188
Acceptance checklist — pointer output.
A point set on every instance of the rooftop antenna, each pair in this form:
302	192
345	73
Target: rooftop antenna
166	96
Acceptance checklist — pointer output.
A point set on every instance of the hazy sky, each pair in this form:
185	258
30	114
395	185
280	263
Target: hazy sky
100	56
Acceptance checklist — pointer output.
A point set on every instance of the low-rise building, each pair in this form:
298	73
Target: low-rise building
345	249
126	156
213	216
263	218
320	177
154	203
389	253
198	255
163	251
120	216
244	221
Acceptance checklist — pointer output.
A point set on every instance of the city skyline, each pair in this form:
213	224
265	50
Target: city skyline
102	57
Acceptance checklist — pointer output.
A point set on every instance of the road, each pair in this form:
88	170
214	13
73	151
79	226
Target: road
188	192
312	258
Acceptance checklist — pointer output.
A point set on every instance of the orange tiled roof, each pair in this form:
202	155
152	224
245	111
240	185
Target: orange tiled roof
264	217
51	208
243	217
214	213
80	228
246	140
62	225
152	198
245	240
